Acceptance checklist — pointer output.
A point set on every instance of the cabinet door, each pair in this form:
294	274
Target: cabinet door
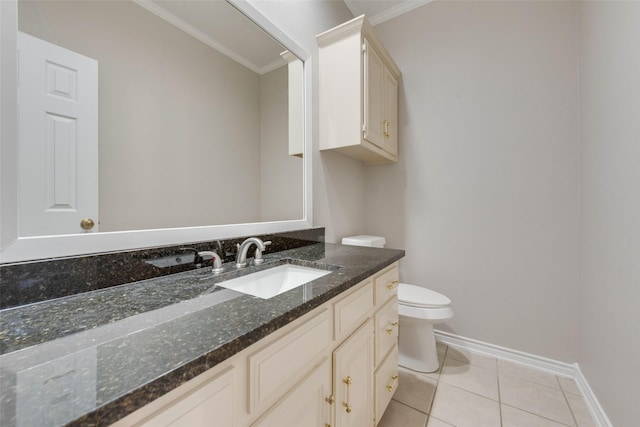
353	379
278	366
208	405
390	121
373	96
304	406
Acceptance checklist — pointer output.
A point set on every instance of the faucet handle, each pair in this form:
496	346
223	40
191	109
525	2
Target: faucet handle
257	258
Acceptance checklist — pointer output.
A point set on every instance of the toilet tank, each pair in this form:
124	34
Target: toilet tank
365	240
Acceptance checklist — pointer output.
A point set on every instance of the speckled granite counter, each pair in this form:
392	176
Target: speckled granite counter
90	359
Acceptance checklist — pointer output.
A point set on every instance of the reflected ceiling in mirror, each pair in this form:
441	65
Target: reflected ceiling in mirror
190	107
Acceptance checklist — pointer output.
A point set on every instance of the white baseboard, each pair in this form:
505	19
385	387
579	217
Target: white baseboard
568	370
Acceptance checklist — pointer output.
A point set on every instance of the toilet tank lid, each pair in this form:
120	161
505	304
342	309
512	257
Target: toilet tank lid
365	240
418	296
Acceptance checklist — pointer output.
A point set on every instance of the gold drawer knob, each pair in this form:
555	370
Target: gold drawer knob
389	388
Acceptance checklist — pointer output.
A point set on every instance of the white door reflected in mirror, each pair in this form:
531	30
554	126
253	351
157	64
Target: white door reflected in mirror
58	138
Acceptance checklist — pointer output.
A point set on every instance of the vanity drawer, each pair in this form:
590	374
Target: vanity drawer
386	323
386	285
275	368
352	310
386	383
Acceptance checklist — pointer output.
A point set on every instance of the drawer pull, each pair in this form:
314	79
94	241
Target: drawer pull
390	285
390	330
346	404
390	387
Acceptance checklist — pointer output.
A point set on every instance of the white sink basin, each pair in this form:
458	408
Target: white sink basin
268	283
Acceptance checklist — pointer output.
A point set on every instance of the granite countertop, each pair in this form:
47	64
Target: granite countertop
93	358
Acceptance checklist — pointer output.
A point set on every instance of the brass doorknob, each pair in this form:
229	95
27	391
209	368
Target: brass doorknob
87	224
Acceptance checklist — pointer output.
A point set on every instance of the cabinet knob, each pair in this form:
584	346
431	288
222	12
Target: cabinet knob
389	388
390	285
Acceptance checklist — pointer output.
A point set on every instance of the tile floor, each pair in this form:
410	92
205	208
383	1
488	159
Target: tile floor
471	390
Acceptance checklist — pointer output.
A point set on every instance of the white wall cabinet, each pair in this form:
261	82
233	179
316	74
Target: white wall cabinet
358	85
335	366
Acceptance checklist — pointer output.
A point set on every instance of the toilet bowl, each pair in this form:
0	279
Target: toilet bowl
419	309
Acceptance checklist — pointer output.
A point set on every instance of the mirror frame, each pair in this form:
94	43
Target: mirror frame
14	248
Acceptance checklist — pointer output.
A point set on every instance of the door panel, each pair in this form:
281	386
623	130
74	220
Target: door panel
353	379
58	138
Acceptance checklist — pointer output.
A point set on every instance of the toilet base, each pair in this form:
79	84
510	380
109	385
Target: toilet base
417	345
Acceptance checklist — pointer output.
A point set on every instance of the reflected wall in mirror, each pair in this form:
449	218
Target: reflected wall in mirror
186	136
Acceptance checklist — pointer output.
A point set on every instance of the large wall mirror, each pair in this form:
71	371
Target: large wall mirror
149	122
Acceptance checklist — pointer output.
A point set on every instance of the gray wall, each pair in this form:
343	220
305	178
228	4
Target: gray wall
485	196
610	223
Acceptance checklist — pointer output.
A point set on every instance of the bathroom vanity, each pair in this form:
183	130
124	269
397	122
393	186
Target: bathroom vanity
324	353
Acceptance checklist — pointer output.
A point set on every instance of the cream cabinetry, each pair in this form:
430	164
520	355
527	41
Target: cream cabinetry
210	396
335	366
275	367
305	405
358	84
353	378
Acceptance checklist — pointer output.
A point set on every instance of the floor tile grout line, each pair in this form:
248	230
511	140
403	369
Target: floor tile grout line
433	398
537	415
564	395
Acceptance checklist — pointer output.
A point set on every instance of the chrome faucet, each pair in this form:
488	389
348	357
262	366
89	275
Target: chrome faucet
241	257
217	262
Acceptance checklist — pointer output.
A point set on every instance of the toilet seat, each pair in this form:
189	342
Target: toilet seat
416	296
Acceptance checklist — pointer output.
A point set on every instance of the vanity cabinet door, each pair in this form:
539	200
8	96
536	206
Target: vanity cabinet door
279	365
353	379
306	405
211	404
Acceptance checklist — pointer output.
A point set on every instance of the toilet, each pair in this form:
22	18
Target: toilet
419	309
